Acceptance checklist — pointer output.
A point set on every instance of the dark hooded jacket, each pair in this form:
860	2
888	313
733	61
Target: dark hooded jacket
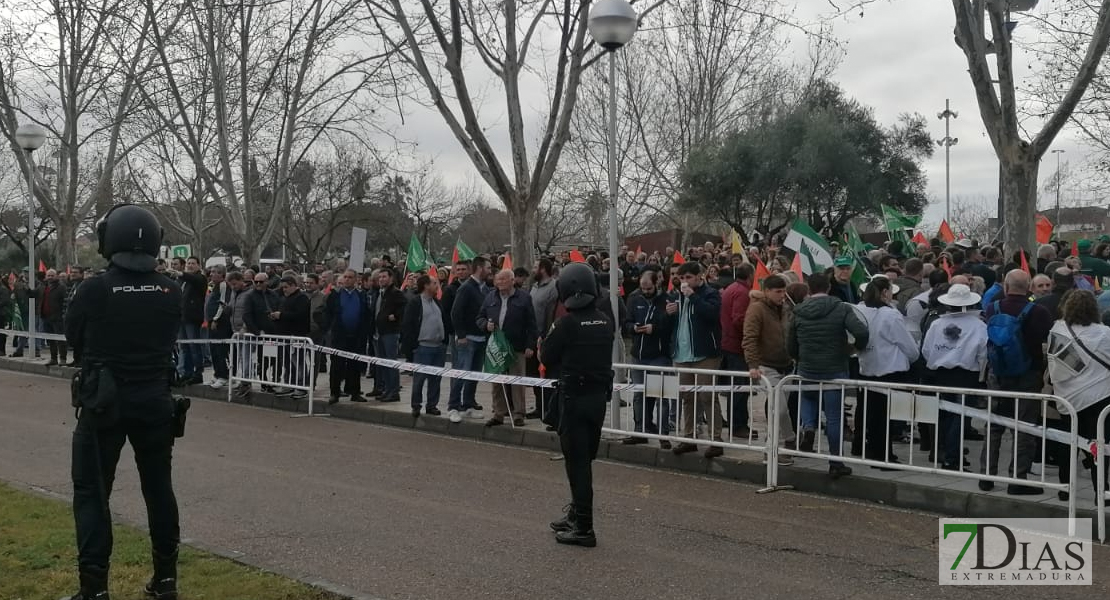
818	335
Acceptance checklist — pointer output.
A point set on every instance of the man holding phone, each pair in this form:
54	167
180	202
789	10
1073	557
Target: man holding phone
695	319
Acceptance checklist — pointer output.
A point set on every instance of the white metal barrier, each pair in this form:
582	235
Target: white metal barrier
694	397
1101	461
947	409
285	364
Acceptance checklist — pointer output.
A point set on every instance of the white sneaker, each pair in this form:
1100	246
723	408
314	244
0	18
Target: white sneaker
217	384
454	416
474	413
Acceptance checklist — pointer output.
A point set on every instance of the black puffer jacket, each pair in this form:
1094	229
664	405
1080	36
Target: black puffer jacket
818	336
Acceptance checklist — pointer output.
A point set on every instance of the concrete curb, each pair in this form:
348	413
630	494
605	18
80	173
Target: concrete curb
913	496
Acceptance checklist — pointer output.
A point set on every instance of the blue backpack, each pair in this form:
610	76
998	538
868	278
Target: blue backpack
1006	348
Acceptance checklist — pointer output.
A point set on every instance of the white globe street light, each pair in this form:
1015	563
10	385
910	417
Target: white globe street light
30	137
612	24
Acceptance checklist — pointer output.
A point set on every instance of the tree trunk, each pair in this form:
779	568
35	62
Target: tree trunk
522	214
65	246
1019	186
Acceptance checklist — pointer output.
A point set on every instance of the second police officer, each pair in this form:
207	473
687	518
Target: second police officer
125	324
578	353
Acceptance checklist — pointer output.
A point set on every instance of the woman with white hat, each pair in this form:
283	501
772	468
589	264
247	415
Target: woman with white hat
955	352
890	352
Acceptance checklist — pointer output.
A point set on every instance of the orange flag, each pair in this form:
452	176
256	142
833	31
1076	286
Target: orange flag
576	256
761	273
638	251
1024	262
1044	229
945	233
434	274
919	238
507	262
42	266
796	266
678	260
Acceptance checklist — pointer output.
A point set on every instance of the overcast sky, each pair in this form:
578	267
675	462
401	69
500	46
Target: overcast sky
899	57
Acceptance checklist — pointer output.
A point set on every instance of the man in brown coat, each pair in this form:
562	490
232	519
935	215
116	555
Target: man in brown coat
764	342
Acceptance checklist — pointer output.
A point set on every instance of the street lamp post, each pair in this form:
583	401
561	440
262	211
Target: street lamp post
30	137
612	24
1058	153
947	142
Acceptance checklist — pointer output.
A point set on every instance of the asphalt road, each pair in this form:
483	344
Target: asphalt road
399	514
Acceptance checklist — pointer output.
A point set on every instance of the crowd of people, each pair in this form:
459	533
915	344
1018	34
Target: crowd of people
932	313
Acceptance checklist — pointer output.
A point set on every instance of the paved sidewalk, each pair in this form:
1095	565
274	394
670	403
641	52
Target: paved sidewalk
401	514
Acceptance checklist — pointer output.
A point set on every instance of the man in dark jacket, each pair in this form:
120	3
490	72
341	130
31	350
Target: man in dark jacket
694	312
293	318
347	321
217	311
1035	326
388	310
7	305
194	286
647	322
470	341
1063	280
818	339
841	286
52	298
509	310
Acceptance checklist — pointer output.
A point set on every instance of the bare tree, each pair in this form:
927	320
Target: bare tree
1020	158
249	89
73	68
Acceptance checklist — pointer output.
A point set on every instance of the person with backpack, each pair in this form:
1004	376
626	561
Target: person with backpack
955	352
1017	329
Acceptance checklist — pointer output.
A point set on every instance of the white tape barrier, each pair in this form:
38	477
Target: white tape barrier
57	337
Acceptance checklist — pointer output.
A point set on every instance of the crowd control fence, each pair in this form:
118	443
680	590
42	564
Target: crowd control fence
692	406
1100	448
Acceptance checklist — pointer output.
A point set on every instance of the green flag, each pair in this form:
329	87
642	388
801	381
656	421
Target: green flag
463	251
417	259
803	239
897	221
852	239
499	353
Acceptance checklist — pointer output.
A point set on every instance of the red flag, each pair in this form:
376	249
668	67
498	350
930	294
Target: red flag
42	266
576	256
11	279
919	238
1024	263
507	262
1075	248
638	251
1044	229
796	266
434	274
761	273
945	233
944	265
678	260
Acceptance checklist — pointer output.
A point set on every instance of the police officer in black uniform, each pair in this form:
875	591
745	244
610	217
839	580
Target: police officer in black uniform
125	322
578	352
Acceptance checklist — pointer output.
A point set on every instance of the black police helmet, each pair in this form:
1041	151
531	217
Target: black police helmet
130	237
577	286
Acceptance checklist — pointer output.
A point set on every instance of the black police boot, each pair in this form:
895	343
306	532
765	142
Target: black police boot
582	534
163	585
94	586
567	522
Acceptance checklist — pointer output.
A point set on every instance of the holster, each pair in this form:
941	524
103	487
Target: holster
181	406
94	392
